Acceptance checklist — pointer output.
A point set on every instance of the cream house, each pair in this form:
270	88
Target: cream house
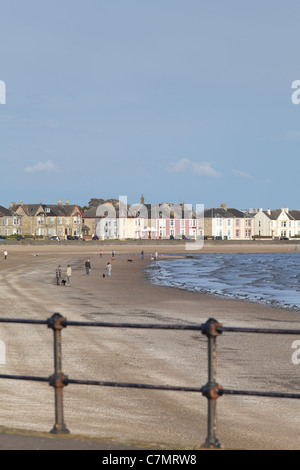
277	223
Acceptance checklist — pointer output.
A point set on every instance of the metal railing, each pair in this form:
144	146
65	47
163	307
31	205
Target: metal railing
211	390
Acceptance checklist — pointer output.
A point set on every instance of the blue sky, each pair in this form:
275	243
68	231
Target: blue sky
179	100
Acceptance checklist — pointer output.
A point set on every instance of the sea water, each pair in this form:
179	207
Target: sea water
271	279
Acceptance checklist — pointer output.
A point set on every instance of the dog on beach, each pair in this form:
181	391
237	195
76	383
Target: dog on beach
129	261
63	282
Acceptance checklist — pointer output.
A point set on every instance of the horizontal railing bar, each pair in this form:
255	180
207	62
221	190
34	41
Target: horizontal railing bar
134	325
257	330
201	327
179	327
133	385
224	391
24	377
24	321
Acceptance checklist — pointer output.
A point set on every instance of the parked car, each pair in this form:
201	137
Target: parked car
284	238
55	238
2	237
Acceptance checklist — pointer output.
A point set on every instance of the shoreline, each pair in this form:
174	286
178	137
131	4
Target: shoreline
154	280
169	419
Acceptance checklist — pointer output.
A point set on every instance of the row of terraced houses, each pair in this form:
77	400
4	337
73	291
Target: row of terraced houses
146	221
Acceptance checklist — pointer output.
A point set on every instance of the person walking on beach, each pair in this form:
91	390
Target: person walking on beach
58	275
113	254
69	274
5	254
108	269
156	256
142	254
87	267
101	253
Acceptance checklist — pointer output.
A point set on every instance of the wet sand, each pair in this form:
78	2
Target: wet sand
159	419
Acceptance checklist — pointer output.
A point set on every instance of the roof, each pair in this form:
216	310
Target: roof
5	212
274	214
90	213
51	210
231	213
295	214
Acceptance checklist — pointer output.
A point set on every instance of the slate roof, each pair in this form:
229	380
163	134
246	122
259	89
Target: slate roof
295	214
274	214
51	210
230	213
5	212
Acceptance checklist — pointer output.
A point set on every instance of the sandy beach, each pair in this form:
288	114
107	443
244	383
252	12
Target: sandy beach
157	419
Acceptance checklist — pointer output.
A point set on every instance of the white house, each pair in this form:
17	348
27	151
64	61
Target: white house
277	223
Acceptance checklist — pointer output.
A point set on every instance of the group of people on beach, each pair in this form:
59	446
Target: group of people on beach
59	275
59	280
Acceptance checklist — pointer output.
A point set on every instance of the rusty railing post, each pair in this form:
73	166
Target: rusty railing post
211	389
58	380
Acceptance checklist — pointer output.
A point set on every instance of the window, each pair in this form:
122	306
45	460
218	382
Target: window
237	222
228	222
237	233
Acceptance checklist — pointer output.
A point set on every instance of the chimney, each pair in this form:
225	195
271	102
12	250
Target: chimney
269	211
67	202
60	202
224	206
285	209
